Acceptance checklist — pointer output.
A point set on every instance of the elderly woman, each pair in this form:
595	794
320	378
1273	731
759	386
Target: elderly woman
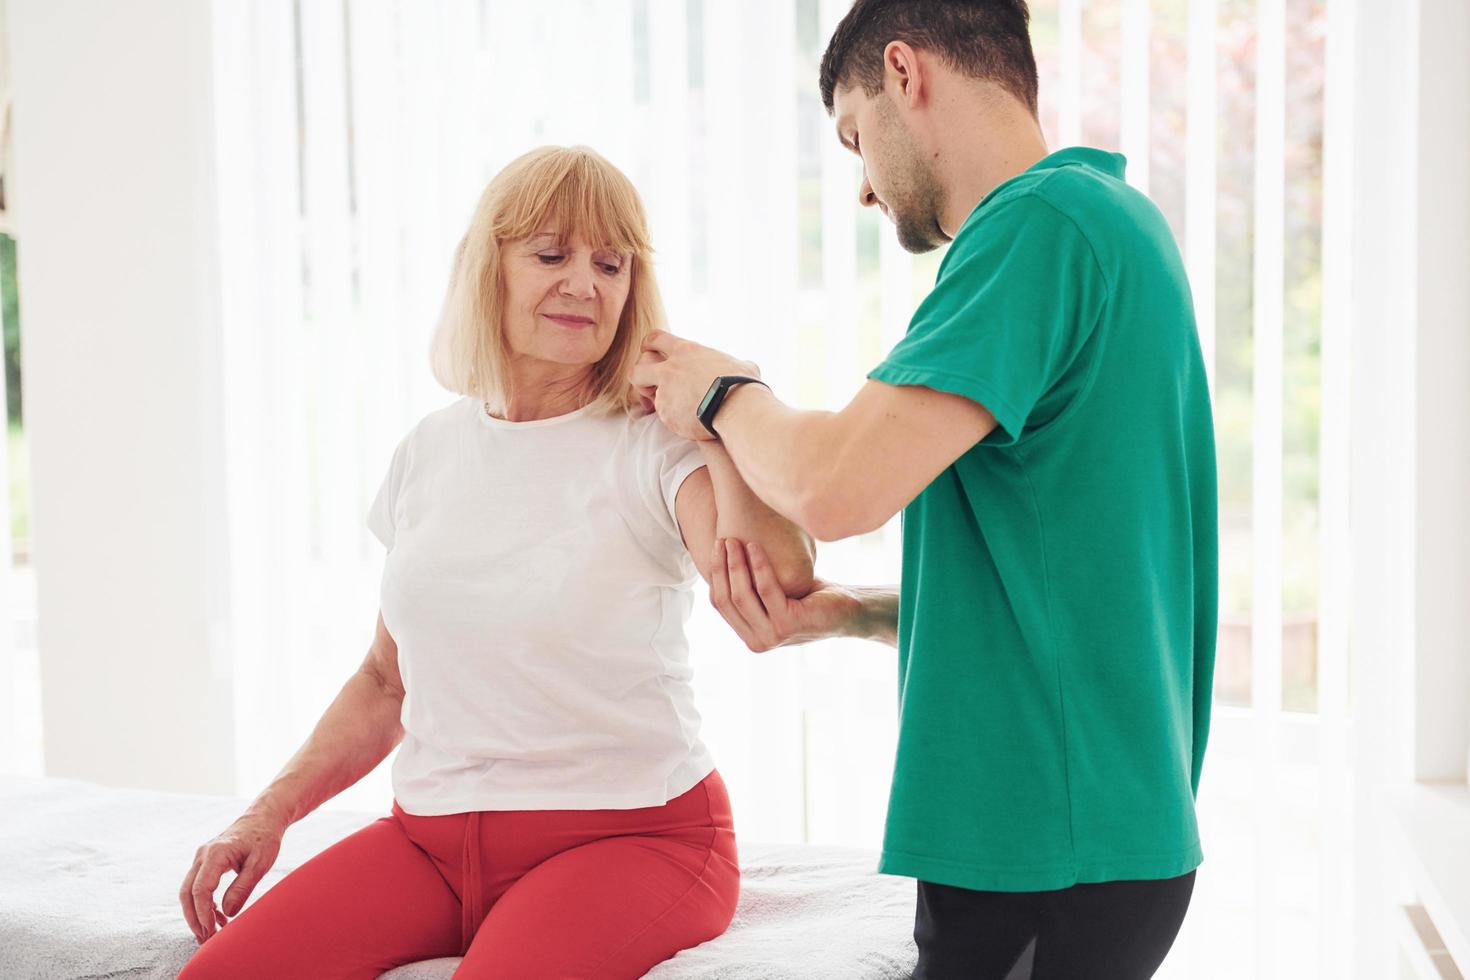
555	812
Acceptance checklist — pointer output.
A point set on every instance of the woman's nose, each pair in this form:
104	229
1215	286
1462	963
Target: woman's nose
578	282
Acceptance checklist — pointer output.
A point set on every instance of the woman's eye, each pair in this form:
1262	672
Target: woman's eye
611	269
549	258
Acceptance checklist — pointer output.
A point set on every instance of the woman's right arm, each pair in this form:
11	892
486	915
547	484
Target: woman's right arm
355	733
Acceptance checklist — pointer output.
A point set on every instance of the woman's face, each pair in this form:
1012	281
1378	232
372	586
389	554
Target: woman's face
563	299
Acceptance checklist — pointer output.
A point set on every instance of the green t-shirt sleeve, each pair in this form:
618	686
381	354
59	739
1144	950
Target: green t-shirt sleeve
1017	297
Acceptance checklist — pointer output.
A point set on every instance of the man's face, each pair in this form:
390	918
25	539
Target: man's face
897	177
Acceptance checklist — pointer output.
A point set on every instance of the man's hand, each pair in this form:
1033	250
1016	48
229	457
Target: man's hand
747	593
674	375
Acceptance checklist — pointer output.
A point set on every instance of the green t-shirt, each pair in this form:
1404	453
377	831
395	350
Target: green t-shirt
1056	628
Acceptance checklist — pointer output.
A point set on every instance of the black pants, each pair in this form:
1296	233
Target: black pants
1114	930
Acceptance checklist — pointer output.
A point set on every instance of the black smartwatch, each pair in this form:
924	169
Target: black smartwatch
715	397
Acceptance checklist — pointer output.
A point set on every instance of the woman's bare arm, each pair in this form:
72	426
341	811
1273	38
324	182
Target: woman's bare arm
715	503
356	732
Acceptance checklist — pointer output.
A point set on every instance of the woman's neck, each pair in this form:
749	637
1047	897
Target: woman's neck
544	393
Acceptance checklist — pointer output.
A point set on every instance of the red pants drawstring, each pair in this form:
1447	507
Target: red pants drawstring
470	915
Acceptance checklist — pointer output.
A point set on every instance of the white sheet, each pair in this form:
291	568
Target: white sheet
89	879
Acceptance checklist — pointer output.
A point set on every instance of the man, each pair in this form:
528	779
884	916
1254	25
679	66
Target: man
1045	430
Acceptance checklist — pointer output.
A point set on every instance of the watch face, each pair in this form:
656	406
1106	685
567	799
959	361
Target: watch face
709	396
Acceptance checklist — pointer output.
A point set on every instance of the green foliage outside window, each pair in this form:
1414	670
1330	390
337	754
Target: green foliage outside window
11	315
20	515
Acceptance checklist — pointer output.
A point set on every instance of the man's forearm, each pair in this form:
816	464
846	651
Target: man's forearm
781	452
877	615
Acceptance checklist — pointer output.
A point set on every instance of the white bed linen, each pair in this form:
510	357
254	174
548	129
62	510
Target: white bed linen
89	879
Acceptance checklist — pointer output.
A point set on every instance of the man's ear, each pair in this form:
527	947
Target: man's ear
902	70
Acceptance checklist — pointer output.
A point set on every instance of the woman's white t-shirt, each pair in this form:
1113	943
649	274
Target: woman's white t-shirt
537	587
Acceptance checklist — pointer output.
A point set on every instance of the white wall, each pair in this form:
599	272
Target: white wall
1410	298
1442	395
114	206
1382	194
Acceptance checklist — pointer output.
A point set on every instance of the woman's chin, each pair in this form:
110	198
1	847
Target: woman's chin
571	354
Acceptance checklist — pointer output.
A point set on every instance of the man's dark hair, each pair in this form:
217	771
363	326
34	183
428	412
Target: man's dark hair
980	38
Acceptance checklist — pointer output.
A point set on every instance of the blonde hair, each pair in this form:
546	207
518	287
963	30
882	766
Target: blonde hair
577	192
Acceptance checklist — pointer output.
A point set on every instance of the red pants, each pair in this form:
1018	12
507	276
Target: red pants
518	893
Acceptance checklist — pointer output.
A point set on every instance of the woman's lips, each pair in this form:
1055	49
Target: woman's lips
571	321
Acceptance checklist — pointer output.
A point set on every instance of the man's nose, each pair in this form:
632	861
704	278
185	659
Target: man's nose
578	282
866	197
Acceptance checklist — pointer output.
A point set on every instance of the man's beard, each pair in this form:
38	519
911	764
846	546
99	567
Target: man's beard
917	232
915	208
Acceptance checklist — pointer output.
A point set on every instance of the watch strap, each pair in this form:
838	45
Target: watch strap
715	397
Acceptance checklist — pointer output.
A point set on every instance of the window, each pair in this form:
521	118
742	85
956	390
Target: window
20	675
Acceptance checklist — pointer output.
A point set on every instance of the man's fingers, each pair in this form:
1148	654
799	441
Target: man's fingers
719	597
744	597
768	587
644	375
646	396
659	340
